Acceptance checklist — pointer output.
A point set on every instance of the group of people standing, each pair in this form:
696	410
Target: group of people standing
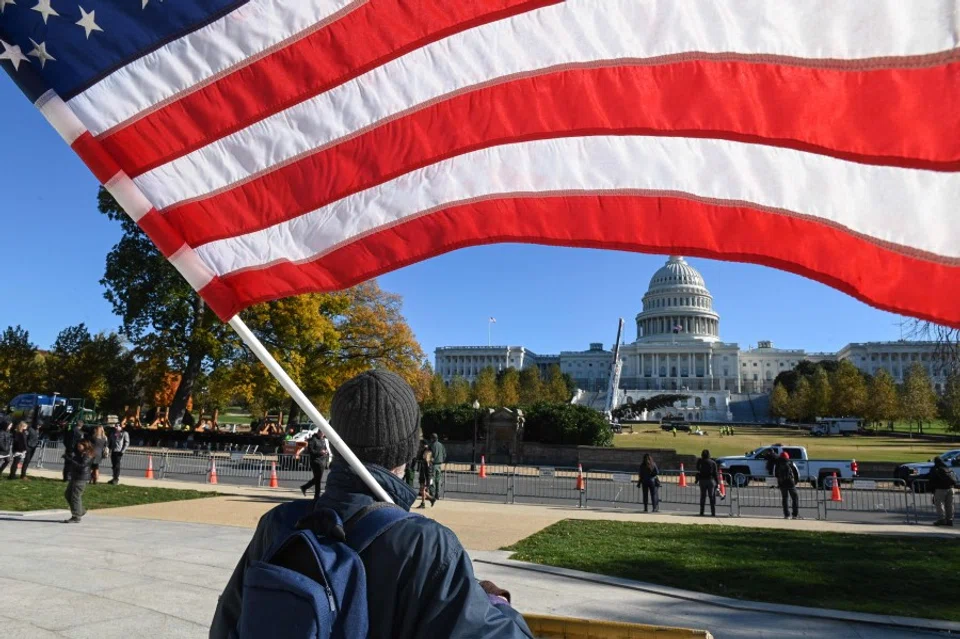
81	462
427	469
17	446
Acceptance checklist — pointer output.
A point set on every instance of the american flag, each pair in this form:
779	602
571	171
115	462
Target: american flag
274	147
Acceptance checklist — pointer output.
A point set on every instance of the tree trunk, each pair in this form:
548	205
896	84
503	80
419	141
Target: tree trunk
192	370
294	413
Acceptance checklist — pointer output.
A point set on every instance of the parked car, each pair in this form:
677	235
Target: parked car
910	473
754	464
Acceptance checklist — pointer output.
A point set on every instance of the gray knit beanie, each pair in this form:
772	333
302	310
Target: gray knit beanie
378	417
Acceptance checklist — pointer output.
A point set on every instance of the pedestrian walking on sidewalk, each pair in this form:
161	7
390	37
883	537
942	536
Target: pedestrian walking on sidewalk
787	479
650	482
425	473
942	482
19	450
119	443
708	476
99	441
33	442
318	450
78	471
71	438
439	453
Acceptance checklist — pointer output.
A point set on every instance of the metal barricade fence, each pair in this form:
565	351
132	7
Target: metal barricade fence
547	483
762	491
887	496
921	504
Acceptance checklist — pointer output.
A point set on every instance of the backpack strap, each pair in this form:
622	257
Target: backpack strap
371	522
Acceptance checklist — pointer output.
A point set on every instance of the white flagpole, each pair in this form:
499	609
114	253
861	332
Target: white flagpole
306	406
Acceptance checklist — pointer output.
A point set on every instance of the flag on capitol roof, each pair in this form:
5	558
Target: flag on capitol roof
275	147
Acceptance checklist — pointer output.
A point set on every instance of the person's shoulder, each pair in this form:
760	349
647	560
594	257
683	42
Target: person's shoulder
428	537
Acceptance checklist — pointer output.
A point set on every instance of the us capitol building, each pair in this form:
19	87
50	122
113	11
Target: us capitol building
678	349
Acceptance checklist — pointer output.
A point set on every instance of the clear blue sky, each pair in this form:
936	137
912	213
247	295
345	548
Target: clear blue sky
547	299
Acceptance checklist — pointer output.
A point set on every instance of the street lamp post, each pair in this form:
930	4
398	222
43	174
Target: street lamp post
476	410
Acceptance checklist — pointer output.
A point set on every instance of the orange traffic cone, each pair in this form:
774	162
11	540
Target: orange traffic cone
483	467
683	478
274	482
213	471
723	488
581	485
149	474
836	489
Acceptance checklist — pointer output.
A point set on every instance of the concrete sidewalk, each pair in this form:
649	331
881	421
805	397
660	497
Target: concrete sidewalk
114	577
243	506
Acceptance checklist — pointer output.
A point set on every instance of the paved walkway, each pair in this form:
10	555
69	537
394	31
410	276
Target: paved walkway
243	506
116	577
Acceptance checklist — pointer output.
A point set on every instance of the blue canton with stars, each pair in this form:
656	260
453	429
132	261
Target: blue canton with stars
69	45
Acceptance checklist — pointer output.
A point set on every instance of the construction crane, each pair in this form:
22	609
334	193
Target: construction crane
615	368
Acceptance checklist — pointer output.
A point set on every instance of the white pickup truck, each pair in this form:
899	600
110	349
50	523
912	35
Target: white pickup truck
819	472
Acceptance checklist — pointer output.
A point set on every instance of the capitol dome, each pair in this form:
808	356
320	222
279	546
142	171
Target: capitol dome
677	306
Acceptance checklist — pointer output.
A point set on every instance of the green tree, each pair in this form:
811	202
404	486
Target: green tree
508	387
95	367
566	424
556	387
820	395
950	403
159	311
438	391
779	401
800	401
485	387
21	366
883	404
459	392
918	401
848	391
531	386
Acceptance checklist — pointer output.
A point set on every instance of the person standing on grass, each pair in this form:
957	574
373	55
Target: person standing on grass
439	452
99	441
787	479
942	482
19	448
119	443
71	438
78	469
318	450
650	482
33	442
6	444
708	475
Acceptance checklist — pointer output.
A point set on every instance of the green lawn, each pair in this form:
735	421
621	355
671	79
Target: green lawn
905	576
861	448
44	494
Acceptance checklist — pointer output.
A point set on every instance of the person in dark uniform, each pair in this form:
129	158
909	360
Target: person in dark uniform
787	479
6	444
19	448
708	475
318	450
78	468
33	442
425	473
439	453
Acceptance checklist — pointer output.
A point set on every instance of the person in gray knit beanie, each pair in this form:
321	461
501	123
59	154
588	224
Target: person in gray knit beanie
377	415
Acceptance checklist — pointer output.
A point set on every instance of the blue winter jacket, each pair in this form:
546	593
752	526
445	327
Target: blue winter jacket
420	581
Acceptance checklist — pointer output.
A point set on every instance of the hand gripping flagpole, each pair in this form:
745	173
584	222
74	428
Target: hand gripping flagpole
306	406
135	204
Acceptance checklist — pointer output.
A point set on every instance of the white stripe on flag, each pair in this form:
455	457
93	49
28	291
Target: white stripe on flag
574	32
869	200
248	31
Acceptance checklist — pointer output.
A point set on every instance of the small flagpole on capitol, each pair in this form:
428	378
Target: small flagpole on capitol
490	323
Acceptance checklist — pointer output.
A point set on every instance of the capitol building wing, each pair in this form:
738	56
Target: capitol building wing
678	349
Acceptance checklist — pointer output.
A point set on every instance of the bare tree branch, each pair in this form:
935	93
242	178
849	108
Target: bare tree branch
946	357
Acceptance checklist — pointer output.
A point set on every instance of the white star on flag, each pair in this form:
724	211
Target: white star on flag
43	7
12	53
4	3
87	22
145	4
40	52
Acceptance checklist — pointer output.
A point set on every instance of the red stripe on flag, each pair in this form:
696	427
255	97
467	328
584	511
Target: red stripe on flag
880	276
96	158
370	36
167	239
898	117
